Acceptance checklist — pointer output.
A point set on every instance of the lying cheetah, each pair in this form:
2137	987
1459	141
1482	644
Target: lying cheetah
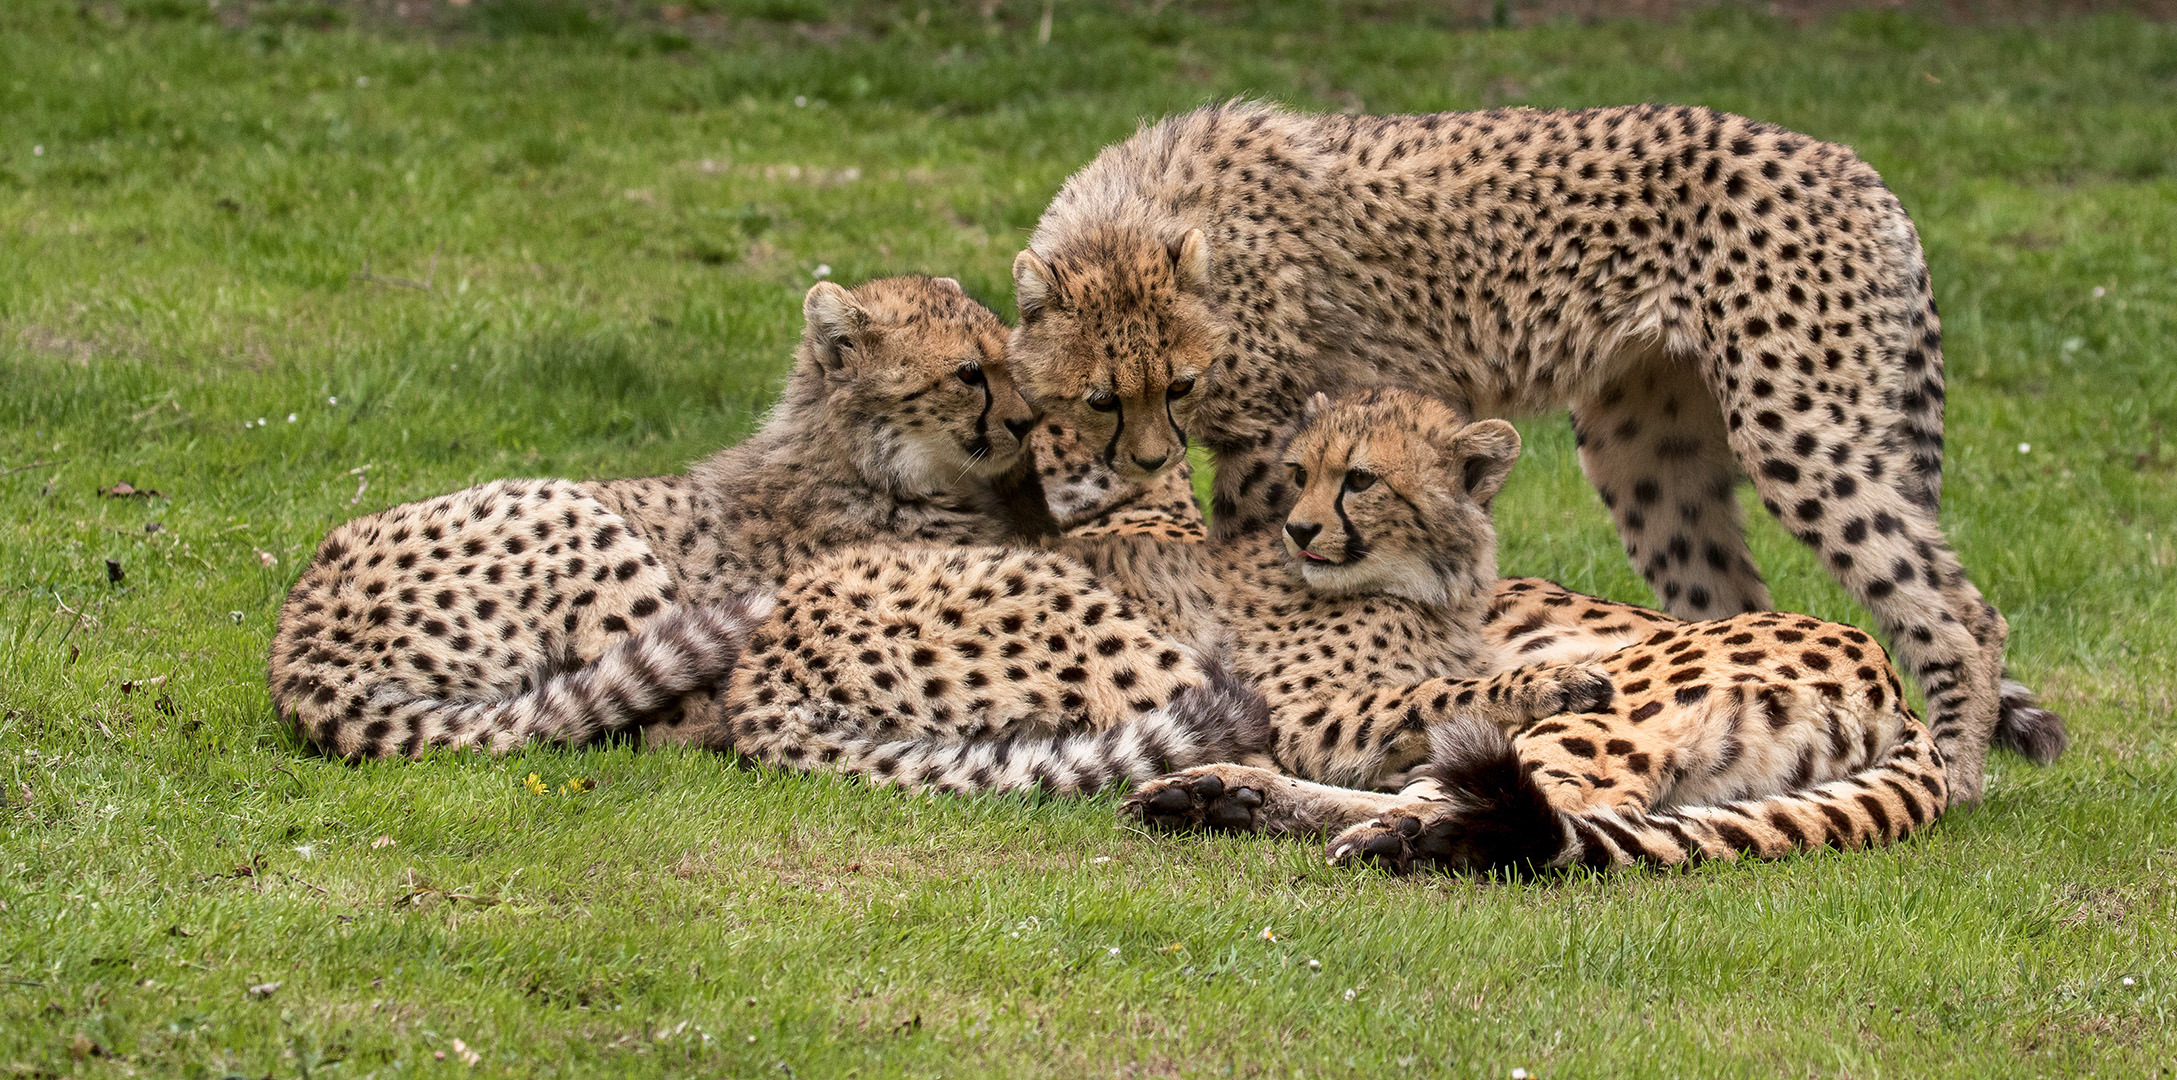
1708	294
1350	654
1761	733
559	610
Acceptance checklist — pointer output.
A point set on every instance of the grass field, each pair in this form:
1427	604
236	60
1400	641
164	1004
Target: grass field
279	269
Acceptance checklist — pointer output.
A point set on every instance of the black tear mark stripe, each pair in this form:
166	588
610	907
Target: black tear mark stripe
1355	546
982	419
1177	431
1118	427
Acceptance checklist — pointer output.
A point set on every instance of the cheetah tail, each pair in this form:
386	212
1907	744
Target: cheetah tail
1219	719
1497	818
2026	727
688	648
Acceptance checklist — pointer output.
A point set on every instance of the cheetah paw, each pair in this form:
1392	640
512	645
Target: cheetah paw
1195	799
1573	688
1387	842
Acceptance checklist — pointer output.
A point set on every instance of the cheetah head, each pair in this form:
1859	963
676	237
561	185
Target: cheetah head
1115	332
1394	496
916	369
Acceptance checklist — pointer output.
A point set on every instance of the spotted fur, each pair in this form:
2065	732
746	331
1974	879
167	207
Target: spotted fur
1486	811
1708	294
1758	734
1088	499
982	669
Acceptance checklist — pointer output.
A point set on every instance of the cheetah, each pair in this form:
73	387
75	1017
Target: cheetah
1708	294
559	611
1336	660
1759	734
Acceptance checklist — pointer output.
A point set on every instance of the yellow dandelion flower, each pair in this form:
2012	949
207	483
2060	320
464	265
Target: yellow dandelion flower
535	784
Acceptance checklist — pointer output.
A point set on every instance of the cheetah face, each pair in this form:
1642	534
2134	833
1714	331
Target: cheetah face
1394	496
923	367
1116	340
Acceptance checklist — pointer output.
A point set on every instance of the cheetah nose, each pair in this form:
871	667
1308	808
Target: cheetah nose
1020	427
1302	533
1152	464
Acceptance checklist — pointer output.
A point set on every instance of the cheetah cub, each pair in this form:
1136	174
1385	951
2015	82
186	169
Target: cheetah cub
1325	651
1709	295
558	610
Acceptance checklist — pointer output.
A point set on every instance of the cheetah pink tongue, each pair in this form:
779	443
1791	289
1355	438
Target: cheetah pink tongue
1313	557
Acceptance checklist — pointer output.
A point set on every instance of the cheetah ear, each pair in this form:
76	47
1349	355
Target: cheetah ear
950	283
1190	260
1317	405
1484	454
1033	284
831	318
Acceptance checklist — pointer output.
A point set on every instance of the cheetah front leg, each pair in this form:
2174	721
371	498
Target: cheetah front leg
1533	621
1245	798
1248	491
1367	738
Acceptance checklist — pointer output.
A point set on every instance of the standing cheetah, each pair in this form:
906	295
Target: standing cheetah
556	610
1708	294
1350	643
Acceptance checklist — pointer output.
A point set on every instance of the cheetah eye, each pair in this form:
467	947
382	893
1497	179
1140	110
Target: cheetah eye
971	374
1179	389
1103	401
1300	476
1359	480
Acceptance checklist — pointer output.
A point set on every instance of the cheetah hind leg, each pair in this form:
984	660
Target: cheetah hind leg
1251	799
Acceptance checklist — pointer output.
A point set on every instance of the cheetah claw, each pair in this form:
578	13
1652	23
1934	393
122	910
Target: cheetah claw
1385	842
1182	802
1589	690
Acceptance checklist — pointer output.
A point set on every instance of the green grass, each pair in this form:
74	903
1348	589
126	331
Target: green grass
616	221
